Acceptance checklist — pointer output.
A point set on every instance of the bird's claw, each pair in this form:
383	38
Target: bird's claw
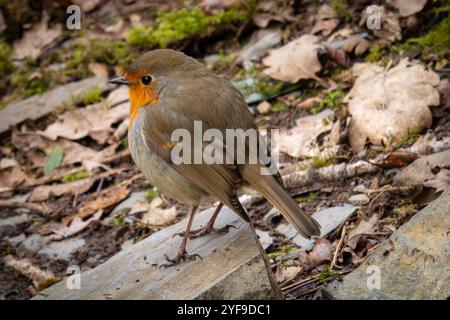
204	231
181	256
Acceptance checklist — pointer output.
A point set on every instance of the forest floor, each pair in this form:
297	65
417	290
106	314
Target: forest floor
355	102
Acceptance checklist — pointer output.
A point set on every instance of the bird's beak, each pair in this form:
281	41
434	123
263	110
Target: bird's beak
119	80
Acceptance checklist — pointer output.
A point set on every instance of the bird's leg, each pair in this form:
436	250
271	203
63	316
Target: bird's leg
182	254
209	227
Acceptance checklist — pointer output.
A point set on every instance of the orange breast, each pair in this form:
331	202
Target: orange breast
139	98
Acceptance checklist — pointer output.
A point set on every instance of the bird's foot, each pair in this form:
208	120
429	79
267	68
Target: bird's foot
205	230
181	256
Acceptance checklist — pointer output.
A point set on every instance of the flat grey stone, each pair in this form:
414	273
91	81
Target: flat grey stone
17	240
13	220
264	238
359	199
128	202
420	170
329	219
8	226
412	264
34	242
62	249
233	267
39	105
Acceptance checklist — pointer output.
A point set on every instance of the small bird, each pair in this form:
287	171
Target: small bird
170	90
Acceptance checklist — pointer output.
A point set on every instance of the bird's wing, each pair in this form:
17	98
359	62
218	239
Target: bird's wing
221	181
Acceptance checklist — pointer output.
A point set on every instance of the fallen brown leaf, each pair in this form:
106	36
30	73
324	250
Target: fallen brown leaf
104	199
37	40
387	104
295	61
300	141
408	7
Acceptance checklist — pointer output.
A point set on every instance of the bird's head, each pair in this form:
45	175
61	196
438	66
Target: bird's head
152	74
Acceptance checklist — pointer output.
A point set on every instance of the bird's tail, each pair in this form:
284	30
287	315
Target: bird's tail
274	192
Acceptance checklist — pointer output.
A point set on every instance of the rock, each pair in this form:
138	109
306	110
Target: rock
17	240
322	251
34	242
263	107
271	214
329	219
259	43
233	267
39	105
8	226
420	170
359	199
62	249
128	202
412	264
91	261
264	238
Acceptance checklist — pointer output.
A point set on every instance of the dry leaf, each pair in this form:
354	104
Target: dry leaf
76	225
295	61
364	227
12	177
73	152
42	193
7	163
387	104
269	10
98	69
36	40
155	215
300	141
440	182
396	159
104	199
94	120
408	7
286	274
326	20
41	278
356	43
322	252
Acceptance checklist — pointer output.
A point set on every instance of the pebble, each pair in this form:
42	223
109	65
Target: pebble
359	199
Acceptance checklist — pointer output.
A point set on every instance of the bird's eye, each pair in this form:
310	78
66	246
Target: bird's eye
146	80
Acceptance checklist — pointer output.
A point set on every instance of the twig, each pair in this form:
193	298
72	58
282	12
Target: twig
330	173
338	248
30	206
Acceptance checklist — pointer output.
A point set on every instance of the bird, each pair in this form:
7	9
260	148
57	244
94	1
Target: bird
169	90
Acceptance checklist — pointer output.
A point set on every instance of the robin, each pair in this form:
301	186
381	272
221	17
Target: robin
170	90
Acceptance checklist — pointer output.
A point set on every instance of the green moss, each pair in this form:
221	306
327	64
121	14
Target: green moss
92	96
341	10
407	139
311	196
319	162
376	53
118	220
327	273
279	107
151	194
333	100
76	176
283	250
5	55
436	41
179	25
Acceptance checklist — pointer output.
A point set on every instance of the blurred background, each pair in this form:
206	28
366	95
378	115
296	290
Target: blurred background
358	89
